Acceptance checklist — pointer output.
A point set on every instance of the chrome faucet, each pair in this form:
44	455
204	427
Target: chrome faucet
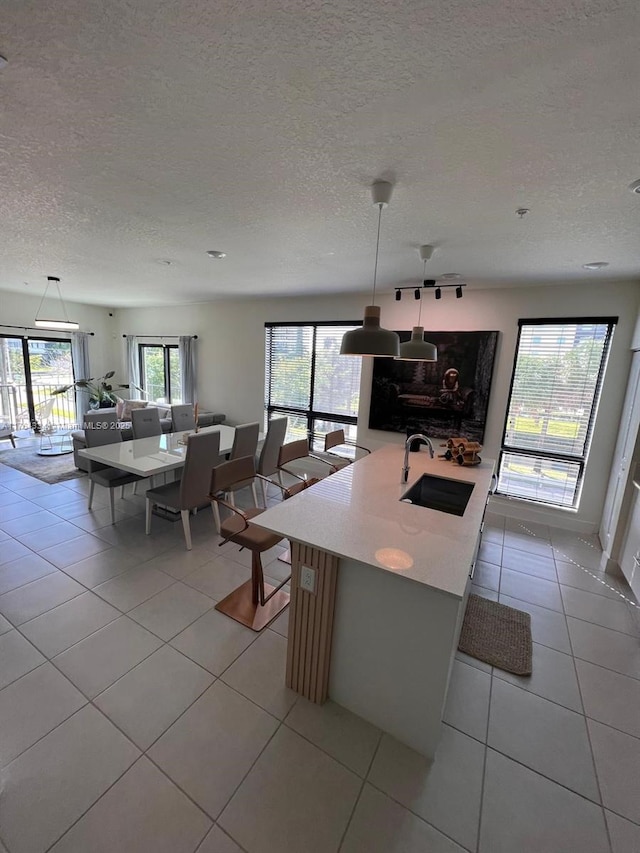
407	446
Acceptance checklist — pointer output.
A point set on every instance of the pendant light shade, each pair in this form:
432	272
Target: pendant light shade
63	325
371	339
417	349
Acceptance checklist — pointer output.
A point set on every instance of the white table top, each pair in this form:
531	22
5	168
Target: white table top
357	513
149	456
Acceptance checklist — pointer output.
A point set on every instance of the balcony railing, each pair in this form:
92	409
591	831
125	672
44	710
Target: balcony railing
14	408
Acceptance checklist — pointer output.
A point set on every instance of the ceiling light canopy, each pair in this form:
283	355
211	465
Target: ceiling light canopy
371	339
417	349
63	325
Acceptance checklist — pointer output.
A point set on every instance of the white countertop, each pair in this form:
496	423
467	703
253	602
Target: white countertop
357	514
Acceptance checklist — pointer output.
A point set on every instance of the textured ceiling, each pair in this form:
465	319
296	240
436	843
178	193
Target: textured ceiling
133	131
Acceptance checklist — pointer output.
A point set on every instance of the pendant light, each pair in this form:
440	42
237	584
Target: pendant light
417	349
371	339
65	325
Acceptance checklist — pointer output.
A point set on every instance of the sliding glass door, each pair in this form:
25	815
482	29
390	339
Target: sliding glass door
30	371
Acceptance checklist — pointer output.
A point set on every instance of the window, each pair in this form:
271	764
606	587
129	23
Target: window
555	389
308	380
31	369
160	372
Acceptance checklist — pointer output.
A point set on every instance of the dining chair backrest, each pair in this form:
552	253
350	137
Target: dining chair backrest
101	428
268	462
182	417
145	422
203	450
234	471
334	439
293	450
245	441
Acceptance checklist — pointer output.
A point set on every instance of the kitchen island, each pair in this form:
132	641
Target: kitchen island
378	590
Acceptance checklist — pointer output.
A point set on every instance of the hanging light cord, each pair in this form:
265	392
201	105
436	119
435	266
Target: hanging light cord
375	268
424	272
64	307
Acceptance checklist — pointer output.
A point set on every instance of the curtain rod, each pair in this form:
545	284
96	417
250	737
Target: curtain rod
35	329
195	337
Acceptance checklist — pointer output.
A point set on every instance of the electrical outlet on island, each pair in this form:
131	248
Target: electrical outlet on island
308	579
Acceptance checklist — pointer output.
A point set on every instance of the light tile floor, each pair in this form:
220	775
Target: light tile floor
136	718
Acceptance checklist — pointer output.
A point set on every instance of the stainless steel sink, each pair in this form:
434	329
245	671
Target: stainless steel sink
440	493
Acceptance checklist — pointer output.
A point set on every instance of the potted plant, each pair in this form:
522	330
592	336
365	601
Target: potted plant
101	392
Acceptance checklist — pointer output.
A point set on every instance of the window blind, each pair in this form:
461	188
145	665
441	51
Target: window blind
555	388
308	380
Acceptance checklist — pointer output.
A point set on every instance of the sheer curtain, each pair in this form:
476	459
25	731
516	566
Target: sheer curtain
187	351
133	365
80	360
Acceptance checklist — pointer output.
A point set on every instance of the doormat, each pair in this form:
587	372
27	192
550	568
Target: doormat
498	635
49	469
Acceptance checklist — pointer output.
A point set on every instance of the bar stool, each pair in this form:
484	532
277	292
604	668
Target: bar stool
254	603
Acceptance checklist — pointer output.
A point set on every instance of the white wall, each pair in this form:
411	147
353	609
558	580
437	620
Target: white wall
19	309
231	357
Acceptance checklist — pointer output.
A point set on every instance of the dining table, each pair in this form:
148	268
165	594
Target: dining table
155	455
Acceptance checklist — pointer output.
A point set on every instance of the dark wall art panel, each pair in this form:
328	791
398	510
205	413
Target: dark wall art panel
444	398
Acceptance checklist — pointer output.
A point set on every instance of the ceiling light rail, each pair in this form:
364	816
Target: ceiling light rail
161	337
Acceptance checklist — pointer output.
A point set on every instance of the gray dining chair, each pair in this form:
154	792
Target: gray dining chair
268	460
101	429
192	491
145	423
182	418
245	443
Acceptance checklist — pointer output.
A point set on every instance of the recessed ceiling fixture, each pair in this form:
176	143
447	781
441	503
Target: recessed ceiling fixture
3	62
371	339
65	325
451	275
216	255
635	187
417	349
164	262
595	265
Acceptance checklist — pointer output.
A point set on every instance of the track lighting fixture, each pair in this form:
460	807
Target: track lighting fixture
431	283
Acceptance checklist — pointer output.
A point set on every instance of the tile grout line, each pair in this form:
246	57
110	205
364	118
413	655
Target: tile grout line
363	782
484	759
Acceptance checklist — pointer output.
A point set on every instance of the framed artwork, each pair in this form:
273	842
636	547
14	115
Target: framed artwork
443	398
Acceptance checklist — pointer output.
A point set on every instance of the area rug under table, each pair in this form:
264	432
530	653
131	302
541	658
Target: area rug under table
49	469
498	635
